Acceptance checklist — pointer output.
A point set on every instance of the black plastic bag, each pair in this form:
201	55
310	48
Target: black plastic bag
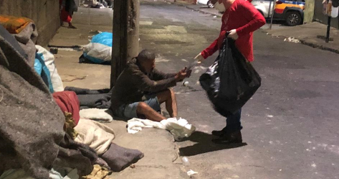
231	80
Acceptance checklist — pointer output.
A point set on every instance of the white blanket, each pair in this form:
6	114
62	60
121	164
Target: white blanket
102	115
96	135
179	128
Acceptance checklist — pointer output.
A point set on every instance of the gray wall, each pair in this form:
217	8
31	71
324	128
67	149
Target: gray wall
45	14
320	17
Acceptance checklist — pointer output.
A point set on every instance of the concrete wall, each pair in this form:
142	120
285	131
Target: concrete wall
45	14
320	17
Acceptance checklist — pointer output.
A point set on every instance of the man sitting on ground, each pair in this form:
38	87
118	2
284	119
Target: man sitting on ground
140	89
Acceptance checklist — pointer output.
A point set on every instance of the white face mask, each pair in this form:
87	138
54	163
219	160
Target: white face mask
220	7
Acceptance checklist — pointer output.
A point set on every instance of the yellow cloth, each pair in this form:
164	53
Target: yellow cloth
69	125
98	173
14	25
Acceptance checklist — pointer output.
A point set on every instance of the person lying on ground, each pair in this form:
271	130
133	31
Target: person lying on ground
140	89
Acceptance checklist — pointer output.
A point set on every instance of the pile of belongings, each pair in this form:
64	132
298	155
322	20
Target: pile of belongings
43	135
99	50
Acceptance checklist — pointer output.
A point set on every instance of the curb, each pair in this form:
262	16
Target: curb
304	42
319	46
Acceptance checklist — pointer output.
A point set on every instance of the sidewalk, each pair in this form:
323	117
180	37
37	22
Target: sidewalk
160	154
312	34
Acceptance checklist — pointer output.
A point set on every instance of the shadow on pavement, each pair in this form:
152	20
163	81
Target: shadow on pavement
204	144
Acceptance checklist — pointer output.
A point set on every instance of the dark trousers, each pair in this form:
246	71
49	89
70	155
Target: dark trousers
233	122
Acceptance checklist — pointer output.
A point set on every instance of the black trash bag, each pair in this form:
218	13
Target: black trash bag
230	81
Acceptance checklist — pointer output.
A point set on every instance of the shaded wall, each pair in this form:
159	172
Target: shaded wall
320	17
45	14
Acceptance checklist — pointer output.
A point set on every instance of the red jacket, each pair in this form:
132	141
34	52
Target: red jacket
243	17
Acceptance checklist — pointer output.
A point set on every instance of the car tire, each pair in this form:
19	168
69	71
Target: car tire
209	4
293	18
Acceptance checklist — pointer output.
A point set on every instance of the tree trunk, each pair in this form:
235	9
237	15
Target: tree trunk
125	35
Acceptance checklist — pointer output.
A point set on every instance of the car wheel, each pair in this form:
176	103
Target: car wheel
209	4
293	18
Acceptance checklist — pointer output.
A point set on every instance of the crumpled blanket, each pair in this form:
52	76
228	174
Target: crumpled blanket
92	98
102	115
98	173
97	136
27	38
179	128
31	130
68	102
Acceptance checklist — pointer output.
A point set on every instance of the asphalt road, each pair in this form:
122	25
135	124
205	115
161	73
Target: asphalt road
290	124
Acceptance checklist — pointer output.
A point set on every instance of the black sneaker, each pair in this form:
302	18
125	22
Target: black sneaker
234	137
219	133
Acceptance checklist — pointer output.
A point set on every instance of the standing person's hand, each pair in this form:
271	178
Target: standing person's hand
233	34
199	57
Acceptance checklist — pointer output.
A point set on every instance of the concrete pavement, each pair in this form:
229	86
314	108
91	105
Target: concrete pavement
290	124
161	159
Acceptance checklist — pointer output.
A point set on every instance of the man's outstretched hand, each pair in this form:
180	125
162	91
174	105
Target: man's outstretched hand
182	74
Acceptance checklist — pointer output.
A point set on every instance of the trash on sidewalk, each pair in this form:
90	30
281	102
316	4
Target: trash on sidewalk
292	39
191	172
99	50
179	128
185	161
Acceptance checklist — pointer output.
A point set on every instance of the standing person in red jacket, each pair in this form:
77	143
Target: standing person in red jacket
240	19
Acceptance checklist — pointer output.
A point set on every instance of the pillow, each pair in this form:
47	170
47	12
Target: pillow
118	158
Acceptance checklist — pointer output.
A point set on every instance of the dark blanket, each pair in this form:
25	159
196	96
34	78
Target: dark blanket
118	158
31	130
92	98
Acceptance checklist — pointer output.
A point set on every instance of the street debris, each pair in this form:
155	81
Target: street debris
185	161
292	39
191	172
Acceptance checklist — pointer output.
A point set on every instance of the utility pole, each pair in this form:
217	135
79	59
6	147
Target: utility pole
272	13
329	18
125	35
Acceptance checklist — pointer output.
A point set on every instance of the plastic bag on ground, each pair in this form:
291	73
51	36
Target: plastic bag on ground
100	49
48	58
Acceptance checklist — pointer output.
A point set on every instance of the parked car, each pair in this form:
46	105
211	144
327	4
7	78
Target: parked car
291	11
206	2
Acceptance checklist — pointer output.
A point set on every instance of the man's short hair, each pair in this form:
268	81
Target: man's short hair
145	55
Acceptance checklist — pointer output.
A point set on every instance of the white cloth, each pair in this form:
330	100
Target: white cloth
104	115
94	134
49	62
179	128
